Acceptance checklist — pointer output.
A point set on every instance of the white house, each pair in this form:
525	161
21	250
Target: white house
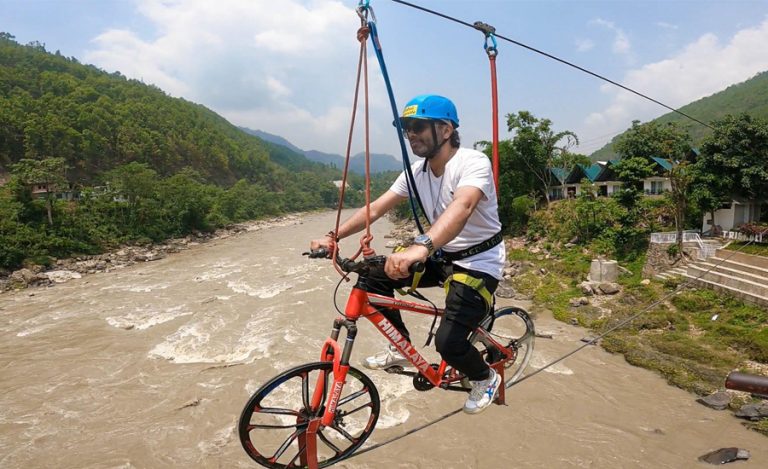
732	214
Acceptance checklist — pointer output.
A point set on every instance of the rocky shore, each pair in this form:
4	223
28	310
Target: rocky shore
63	270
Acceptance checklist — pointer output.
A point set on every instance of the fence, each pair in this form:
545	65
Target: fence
705	250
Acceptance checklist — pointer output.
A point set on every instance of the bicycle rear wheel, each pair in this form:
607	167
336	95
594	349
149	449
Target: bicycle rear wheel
274	422
513	328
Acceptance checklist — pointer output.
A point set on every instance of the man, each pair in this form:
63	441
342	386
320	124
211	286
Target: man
456	189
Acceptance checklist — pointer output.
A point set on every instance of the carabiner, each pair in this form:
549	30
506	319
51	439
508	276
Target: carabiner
363	8
490	50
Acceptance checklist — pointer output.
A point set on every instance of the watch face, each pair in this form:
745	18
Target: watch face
421	239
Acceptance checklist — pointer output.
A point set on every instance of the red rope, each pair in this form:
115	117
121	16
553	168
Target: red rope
362	66
495	112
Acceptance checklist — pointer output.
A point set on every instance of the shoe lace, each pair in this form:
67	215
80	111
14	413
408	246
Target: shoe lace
480	387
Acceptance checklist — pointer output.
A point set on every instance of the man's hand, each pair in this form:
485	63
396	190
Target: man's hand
398	263
325	242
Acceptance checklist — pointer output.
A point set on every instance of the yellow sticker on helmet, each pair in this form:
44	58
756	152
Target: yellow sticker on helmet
410	110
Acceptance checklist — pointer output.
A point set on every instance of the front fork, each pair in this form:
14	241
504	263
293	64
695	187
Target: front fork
331	351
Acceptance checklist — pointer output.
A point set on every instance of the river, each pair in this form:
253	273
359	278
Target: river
149	367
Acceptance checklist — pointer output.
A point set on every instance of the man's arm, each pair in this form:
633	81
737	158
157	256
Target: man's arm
445	228
452	221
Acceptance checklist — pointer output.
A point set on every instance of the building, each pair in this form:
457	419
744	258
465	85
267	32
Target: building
732	214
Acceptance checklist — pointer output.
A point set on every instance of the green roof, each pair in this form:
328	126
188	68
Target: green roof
662	162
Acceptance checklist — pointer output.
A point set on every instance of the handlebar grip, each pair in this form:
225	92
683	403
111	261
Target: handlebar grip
417	266
321	253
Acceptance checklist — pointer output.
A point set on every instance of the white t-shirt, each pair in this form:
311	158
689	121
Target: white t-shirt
466	168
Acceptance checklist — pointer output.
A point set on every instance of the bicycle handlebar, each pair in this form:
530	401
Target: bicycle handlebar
363	266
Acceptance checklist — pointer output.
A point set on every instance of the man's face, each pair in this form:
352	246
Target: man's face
419	135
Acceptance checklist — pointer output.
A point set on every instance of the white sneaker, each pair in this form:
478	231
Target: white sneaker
483	393
385	359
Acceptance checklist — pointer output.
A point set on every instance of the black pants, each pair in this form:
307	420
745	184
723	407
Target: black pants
464	309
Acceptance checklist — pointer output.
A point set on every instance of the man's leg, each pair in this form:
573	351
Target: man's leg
464	309
378	283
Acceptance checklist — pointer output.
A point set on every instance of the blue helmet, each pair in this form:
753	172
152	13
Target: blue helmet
430	106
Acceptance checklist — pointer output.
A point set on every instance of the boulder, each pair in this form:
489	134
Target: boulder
504	290
717	401
21	278
609	288
753	411
61	276
586	288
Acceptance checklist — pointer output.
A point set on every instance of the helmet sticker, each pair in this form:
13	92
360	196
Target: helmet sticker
410	110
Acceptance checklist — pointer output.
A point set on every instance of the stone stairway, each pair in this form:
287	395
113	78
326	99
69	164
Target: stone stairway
742	275
671	273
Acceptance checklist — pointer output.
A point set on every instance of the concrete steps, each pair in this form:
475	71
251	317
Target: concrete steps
672	273
742	275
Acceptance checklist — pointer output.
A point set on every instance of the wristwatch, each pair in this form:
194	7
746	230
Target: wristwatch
426	241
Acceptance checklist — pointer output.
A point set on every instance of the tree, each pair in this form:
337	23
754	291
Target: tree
540	147
637	147
651	139
50	173
737	154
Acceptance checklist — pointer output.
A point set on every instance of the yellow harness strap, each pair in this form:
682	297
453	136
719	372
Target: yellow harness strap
476	284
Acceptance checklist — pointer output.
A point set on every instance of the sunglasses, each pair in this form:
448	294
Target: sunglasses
416	126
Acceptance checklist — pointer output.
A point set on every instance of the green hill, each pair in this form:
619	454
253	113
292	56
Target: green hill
750	96
51	105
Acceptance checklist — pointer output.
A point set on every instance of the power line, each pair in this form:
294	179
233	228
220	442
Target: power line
558	59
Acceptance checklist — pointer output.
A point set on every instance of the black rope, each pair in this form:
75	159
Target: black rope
558	59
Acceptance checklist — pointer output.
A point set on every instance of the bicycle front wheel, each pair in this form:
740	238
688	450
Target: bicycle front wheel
274	422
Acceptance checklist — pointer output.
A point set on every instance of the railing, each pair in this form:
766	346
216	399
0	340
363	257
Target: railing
705	250
670	237
737	236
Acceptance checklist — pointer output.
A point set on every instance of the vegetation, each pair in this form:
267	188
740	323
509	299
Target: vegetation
693	339
94	160
750	97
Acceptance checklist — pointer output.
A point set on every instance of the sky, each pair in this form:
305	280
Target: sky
288	67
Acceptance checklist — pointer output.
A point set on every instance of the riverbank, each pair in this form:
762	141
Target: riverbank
63	270
691	337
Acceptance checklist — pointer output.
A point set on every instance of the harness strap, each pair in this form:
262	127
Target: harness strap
476	249
474	283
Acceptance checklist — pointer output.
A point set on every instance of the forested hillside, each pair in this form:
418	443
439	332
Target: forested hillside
91	160
53	106
749	97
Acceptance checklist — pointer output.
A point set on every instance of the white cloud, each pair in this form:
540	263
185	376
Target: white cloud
270	65
665	25
702	68
584	45
621	44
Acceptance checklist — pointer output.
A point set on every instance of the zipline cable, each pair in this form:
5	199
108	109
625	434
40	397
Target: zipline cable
558	59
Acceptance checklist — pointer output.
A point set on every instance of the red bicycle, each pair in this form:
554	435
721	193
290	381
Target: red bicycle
320	413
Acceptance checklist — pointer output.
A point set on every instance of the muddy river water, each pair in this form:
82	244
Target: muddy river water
149	367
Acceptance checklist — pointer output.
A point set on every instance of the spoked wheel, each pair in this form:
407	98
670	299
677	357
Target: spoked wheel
273	425
512	327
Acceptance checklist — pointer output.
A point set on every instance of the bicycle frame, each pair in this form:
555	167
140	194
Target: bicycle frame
364	304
